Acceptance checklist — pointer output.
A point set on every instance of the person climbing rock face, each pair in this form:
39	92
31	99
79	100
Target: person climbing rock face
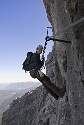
35	62
35	72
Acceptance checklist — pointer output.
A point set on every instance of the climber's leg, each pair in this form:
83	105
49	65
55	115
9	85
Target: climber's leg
46	81
33	75
50	91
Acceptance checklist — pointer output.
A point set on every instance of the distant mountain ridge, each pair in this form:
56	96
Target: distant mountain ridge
19	85
9	92
2	86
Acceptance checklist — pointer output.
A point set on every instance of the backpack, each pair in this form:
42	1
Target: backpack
27	61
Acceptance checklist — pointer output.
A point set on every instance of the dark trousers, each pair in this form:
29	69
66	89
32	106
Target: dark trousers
49	86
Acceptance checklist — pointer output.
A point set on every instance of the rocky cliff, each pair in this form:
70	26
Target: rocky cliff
65	65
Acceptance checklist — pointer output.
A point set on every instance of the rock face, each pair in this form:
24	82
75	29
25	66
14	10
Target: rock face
65	65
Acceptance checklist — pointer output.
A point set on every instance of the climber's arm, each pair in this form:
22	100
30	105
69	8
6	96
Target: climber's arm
38	62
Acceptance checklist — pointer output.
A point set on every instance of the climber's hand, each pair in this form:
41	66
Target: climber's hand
43	58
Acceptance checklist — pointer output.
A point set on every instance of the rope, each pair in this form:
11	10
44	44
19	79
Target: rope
70	26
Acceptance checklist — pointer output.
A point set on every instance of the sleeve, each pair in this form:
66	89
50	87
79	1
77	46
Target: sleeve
39	63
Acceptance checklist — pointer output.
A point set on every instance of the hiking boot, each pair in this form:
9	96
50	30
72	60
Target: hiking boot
62	91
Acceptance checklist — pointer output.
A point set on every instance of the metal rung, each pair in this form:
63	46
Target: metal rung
49	38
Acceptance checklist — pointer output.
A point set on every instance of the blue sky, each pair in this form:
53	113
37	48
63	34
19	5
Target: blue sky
22	27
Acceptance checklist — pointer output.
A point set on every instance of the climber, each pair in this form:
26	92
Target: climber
35	72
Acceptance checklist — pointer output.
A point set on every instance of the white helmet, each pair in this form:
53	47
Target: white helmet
39	46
